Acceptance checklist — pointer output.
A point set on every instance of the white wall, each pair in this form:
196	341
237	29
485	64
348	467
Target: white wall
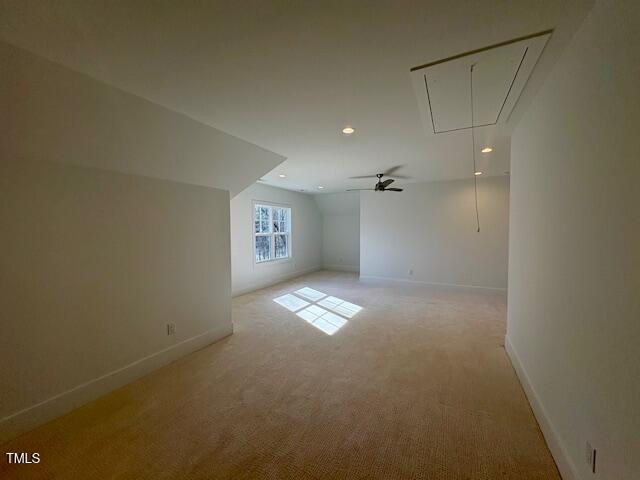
93	264
430	228
574	275
340	230
306	238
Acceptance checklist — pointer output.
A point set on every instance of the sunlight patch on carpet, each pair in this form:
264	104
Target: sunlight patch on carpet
291	302
310	294
322	319
344	308
329	319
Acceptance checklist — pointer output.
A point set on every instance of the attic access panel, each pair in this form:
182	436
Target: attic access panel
443	87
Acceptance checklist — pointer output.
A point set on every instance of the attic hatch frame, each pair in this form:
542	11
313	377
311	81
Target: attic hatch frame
475	52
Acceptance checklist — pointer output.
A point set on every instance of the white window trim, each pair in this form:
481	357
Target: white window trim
254	233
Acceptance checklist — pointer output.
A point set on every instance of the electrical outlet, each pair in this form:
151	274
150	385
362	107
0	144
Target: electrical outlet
590	457
171	328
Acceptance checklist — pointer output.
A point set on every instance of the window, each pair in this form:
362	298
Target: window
272	232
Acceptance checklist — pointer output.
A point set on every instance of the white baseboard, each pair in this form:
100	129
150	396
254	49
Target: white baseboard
502	291
342	268
558	450
53	407
272	280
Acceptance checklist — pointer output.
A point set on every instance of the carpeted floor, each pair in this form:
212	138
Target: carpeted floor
417	385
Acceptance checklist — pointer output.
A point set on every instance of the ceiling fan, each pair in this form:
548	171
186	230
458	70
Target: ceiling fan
381	186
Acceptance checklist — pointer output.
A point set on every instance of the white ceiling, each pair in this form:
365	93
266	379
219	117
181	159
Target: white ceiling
498	74
288	76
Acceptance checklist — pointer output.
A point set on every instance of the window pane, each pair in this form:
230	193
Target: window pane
261	220
265	219
277	212
281	219
284	220
281	246
263	248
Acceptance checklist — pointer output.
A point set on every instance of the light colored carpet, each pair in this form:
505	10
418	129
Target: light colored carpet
416	386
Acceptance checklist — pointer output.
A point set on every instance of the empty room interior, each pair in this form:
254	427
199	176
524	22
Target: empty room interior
320	240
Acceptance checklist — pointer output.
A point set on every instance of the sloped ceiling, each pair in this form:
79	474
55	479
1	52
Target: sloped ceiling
52	113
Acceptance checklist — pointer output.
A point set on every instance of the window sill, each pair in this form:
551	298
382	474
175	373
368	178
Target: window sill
276	261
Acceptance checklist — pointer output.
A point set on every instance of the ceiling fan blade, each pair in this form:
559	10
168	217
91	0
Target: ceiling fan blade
393	189
359	189
392	170
397	176
387	182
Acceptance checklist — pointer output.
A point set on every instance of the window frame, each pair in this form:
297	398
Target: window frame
271	234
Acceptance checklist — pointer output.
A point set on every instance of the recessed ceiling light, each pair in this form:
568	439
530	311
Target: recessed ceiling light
348	130
477	173
282	175
320	187
487	150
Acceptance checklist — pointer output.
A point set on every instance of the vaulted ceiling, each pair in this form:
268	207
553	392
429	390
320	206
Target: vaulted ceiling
288	76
